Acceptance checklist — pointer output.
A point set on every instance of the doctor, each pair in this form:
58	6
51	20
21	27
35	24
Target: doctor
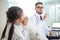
38	20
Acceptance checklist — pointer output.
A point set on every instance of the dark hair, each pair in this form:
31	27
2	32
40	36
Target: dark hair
13	13
38	3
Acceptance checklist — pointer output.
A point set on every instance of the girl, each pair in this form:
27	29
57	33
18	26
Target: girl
13	29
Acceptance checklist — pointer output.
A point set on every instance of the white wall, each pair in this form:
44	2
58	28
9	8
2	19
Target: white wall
3	9
28	6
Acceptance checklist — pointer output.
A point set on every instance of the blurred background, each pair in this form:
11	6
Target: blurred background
52	7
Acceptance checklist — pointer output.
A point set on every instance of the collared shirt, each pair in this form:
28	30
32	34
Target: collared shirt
35	18
21	32
41	25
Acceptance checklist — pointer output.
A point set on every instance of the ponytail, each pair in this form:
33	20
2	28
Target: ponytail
4	31
11	32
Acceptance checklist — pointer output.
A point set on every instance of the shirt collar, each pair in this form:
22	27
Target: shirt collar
37	16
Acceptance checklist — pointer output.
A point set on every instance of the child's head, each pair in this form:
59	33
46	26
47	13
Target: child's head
25	21
14	13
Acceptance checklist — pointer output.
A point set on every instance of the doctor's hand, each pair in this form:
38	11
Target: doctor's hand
51	33
45	16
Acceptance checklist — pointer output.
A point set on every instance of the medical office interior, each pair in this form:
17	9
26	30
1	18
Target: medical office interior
52	7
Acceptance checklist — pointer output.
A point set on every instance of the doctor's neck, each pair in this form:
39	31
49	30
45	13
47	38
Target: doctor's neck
39	13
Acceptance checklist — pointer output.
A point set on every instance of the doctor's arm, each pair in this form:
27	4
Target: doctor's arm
51	33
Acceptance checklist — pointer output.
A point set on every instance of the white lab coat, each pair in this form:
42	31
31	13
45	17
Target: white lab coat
41	25
34	32
19	33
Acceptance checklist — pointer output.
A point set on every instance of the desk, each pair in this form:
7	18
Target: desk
56	30
55	37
